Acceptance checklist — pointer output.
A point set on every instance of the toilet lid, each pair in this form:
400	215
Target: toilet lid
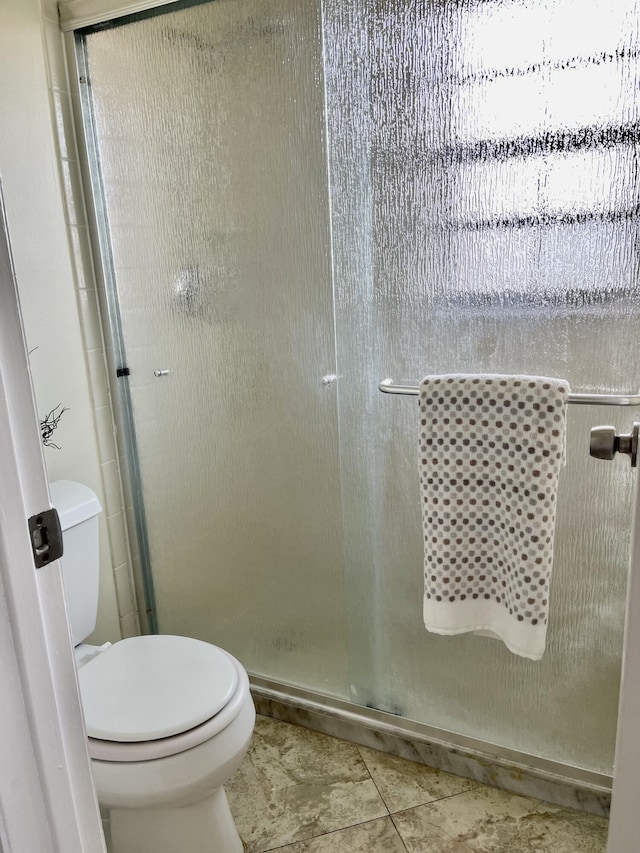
145	688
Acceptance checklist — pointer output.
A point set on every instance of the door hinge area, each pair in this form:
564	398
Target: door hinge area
46	537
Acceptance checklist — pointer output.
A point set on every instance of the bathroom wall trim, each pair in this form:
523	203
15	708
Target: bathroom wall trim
75	14
517	772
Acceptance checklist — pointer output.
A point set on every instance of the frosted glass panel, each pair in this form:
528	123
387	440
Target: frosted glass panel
380	189
210	129
485	208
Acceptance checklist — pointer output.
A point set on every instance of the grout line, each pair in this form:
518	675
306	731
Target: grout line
384	802
398	833
438	800
417	805
331	832
440	830
444	797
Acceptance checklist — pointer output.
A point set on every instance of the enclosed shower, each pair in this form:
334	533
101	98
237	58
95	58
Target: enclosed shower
298	199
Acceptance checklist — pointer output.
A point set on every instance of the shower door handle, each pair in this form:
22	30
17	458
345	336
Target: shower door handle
605	443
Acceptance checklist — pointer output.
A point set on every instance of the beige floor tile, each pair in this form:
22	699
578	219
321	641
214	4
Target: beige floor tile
295	784
405	784
487	820
377	836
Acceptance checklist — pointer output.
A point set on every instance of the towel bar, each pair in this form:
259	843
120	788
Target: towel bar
387	386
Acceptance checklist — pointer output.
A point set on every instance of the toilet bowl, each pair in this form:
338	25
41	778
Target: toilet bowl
168	721
168	718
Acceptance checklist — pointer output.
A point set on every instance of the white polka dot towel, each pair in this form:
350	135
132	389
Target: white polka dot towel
491	449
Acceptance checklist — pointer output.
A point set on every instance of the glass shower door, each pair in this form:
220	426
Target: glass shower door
303	199
211	151
483	161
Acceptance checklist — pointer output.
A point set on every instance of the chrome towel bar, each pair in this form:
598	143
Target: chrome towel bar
388	386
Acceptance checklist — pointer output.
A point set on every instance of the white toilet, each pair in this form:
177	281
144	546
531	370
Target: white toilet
168	719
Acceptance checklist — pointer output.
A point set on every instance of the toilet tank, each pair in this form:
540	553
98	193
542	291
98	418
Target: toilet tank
78	509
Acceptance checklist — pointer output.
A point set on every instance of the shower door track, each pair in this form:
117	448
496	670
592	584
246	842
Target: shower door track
486	763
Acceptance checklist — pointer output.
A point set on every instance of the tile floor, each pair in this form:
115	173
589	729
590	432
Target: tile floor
299	791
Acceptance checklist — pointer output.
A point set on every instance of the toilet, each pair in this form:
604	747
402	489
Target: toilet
168	718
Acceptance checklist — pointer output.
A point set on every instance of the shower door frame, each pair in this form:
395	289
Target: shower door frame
625	821
116	356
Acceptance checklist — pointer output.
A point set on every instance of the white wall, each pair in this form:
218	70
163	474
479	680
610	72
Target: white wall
58	297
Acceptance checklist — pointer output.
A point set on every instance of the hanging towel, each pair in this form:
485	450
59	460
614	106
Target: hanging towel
491	449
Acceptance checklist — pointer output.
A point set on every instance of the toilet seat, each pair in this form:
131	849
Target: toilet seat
153	696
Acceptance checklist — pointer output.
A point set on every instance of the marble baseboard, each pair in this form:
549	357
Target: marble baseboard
583	791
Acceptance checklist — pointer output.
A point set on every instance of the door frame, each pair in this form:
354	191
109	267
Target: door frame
47	798
624	822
